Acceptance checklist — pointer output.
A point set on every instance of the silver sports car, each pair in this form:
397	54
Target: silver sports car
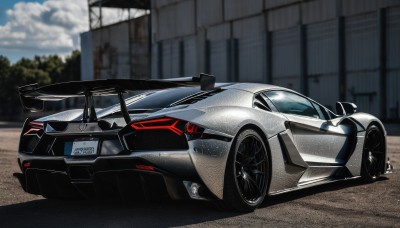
234	143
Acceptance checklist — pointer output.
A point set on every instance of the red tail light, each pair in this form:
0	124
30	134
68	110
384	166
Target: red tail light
158	124
145	167
193	130
34	127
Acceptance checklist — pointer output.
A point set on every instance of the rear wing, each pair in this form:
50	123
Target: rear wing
32	97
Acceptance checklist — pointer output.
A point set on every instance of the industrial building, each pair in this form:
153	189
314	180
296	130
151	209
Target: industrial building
120	49
330	50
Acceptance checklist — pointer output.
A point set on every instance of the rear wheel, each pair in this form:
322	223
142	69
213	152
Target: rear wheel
373	154
247	172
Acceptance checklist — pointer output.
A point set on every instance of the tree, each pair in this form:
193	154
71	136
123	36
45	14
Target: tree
4	73
23	72
41	70
51	64
72	67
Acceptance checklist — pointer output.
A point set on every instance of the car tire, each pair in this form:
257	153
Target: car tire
373	159
247	172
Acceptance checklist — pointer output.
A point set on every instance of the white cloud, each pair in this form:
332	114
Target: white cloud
48	27
51	27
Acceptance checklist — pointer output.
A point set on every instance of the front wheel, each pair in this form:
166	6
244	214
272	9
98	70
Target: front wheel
373	154
247	172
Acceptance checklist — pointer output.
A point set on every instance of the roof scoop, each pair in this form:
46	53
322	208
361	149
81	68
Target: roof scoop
206	81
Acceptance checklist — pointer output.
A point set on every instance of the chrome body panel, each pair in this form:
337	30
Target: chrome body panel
354	162
283	175
209	159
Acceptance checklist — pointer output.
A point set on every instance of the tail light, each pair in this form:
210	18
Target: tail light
164	133
193	131
159	124
145	167
33	128
31	135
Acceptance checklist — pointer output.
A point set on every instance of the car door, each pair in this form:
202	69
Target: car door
317	140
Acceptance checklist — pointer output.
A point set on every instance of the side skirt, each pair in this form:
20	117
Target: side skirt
310	184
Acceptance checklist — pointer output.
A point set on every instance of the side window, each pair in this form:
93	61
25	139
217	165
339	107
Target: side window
291	103
323	114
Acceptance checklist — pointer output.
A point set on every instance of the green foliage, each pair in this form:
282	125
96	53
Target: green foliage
72	67
41	70
5	67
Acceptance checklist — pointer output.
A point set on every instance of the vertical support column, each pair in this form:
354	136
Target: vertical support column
303	60
341	41
160	60
181	58
207	57
150	42
131	70
233	59
382	61
268	57
101	14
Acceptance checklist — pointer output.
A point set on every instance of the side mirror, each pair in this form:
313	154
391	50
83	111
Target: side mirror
345	108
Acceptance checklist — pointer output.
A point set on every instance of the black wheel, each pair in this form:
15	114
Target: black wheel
247	172
373	154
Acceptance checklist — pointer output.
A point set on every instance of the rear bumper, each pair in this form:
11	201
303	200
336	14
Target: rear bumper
110	176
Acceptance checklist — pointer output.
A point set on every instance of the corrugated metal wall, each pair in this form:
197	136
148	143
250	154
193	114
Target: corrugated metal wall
286	58
86	56
393	63
251	40
121	50
190	57
362	53
314	46
170	57
217	37
322	62
235	9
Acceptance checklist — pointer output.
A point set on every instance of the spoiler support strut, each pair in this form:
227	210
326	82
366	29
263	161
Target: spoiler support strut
89	106
124	109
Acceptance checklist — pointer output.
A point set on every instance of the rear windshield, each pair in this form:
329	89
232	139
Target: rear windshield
162	99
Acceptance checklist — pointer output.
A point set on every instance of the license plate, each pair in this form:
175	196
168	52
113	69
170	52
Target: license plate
84	148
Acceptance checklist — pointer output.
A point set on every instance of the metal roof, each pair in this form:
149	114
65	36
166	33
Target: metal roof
131	4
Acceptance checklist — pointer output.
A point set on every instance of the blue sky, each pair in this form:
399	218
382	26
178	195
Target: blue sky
41	27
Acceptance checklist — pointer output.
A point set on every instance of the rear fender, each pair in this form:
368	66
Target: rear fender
210	156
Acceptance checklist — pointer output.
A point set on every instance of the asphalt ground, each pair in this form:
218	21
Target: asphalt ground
339	204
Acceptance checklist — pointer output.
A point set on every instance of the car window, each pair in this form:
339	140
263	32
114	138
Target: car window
163	98
323	114
291	103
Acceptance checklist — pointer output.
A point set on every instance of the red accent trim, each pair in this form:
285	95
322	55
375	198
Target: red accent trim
32	130
194	130
36	124
191	128
27	165
145	167
35	127
168	124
